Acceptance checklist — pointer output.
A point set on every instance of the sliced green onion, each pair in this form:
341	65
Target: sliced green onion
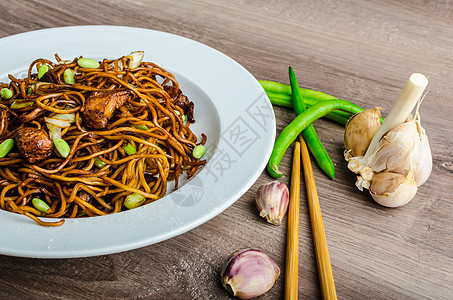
19	104
184	118
129	149
88	63
43	69
99	163
177	112
141	127
6	93
198	151
6	146
67	117
62	147
68	76
54	131
30	91
40	205
134	200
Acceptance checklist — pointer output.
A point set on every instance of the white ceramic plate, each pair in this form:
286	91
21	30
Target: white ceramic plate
231	108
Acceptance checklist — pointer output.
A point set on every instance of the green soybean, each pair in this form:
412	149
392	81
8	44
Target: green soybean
134	200
311	138
6	93
62	147
40	205
43	69
198	151
5	147
88	63
68	76
99	163
129	149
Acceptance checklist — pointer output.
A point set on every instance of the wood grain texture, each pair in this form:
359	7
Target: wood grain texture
359	50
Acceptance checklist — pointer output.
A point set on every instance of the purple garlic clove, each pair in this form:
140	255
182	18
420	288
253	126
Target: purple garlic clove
249	273
272	201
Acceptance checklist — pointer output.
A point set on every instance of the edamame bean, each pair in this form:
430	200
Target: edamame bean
68	76
134	200
129	149
6	146
198	151
43	69
62	147
6	93
40	205
88	63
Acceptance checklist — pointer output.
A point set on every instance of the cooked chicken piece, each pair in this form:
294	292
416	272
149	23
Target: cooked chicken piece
186	105
181	100
34	144
100	106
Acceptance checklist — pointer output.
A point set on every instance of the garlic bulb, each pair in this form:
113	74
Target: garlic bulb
398	158
272	201
249	273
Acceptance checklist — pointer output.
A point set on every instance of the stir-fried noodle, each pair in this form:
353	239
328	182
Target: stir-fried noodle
126	123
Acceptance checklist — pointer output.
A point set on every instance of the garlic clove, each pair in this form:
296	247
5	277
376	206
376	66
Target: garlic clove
359	131
272	201
392	189
249	273
421	157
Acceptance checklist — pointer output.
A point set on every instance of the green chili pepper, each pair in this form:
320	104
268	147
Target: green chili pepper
280	94
5	147
277	87
301	122
338	116
134	200
309	134
40	205
129	149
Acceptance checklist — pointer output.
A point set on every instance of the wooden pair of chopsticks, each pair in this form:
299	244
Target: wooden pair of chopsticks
319	235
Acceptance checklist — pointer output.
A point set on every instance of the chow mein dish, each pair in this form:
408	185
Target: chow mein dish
85	138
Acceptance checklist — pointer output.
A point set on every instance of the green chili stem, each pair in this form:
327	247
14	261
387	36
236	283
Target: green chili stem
301	122
311	138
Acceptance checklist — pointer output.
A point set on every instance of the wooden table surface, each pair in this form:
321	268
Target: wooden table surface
363	51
